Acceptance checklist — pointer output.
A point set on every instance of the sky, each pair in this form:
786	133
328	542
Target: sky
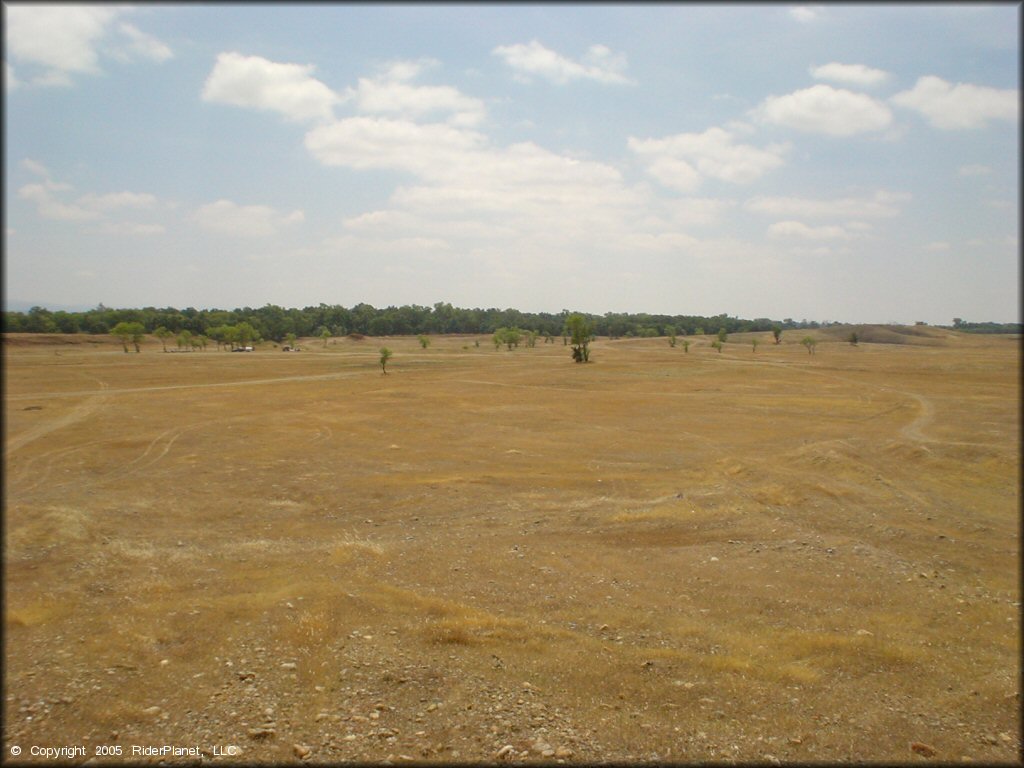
846	163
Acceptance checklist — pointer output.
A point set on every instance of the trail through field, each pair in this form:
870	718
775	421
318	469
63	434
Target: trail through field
76	414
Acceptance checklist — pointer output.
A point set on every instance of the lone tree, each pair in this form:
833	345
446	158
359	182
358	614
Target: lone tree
133	332
853	339
717	345
385	355
722	335
810	343
754	343
324	334
777	333
686	346
670	331
507	336
424	341
580	331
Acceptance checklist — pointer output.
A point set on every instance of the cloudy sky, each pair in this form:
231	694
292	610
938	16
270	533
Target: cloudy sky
850	163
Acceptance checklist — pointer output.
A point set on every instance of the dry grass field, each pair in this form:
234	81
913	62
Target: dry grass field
503	556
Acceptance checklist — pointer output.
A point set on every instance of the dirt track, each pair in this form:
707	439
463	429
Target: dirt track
492	555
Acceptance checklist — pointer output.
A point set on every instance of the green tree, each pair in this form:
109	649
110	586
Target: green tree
185	339
324	334
810	343
777	333
722	334
671	333
853	339
290	338
754	343
580	329
129	332
510	337
385	355
686	346
424	341
717	344
163	334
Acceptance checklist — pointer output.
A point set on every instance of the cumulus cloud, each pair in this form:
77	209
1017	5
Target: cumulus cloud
806	13
252	81
58	41
229	218
960	106
391	93
681	161
882	204
852	74
797	229
824	109
533	59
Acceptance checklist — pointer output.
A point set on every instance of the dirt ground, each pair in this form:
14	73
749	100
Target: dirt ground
485	555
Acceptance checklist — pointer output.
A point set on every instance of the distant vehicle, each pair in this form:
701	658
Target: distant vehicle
242	349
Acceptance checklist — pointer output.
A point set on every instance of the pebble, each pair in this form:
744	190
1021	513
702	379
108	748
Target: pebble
152	711
506	753
262	733
922	749
563	753
289	665
300	751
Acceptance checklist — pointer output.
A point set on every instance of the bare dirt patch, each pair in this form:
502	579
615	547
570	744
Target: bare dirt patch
492	555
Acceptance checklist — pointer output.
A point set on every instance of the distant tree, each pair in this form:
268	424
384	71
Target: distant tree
531	339
580	330
163	334
670	331
424	341
385	355
853	339
510	337
723	334
957	322
290	338
717	344
777	333
246	334
754	343
810	343
686	346
202	341
324	334
129	332
699	331
185	340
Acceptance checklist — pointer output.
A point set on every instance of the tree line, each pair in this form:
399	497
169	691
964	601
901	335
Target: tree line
275	323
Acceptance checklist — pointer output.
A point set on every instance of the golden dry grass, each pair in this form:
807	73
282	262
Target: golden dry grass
813	557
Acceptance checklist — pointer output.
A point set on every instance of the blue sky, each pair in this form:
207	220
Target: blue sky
849	163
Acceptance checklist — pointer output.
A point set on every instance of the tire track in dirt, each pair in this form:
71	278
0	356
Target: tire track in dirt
81	411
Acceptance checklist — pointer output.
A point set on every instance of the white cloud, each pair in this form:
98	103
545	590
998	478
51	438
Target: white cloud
115	200
800	230
429	150
974	170
806	13
682	160
960	106
853	74
142	45
49	207
824	109
880	205
600	64
252	81
392	94
230	218
60	40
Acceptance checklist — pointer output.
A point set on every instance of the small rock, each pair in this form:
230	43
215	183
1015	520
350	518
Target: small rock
563	753
289	665
506	753
151	711
300	751
922	749
164	662
262	733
